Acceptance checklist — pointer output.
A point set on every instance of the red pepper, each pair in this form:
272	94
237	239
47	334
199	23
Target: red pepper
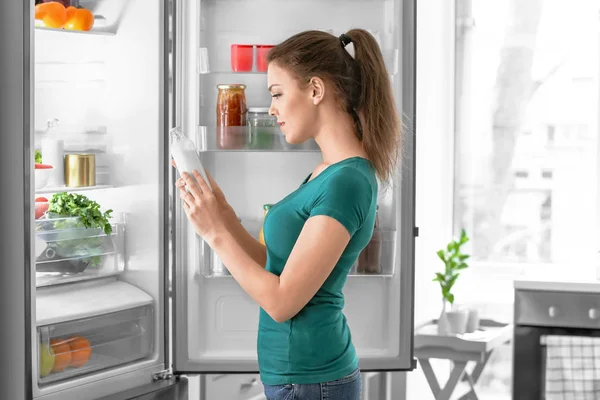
42	166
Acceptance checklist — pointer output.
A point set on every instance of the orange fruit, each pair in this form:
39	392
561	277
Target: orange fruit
70	11
53	14
80	20
81	351
62	354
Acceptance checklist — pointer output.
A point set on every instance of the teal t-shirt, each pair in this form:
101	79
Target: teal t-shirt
316	345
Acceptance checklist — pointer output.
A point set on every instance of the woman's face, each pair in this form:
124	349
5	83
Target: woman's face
291	104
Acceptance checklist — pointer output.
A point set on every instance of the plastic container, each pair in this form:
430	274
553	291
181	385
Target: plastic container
262	51
65	249
242	57
74	348
262	129
378	257
185	155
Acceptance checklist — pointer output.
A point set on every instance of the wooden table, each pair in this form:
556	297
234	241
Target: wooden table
460	349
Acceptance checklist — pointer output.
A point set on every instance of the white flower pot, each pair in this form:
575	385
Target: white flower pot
457	321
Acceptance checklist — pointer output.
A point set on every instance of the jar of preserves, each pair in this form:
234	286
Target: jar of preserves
231	116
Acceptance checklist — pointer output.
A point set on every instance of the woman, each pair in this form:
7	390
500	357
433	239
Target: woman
337	92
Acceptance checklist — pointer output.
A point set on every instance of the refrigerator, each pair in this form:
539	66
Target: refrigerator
88	314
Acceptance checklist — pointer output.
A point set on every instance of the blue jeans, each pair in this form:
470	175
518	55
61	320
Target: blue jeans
347	388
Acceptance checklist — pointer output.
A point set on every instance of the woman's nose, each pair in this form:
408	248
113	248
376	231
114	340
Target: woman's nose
272	110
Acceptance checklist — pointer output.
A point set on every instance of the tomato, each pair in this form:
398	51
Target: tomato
40	209
53	14
42	166
80	20
41	200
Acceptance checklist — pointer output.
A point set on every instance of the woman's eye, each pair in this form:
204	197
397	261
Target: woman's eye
275	95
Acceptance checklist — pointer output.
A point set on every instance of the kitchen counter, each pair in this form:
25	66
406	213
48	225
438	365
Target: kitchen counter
561	285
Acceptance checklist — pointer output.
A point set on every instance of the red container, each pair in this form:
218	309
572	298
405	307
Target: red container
261	56
242	57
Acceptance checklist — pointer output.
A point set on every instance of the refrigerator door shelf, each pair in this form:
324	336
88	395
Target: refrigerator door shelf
86	300
246	138
84	346
376	260
217	60
66	251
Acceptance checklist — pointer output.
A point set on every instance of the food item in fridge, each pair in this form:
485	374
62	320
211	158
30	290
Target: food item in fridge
41	206
81	351
62	354
70	11
369	260
262	50
242	57
79	19
52	14
261	235
46	360
185	155
231	114
77	205
262	128
38	156
42	166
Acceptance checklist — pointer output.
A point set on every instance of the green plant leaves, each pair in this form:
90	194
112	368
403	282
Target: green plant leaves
454	261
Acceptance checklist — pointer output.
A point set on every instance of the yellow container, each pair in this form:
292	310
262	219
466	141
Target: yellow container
80	170
261	234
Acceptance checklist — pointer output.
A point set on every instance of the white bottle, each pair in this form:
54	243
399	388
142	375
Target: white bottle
53	154
185	155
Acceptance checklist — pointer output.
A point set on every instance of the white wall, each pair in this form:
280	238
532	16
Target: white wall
435	149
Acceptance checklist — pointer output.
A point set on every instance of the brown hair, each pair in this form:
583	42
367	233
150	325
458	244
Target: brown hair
362	86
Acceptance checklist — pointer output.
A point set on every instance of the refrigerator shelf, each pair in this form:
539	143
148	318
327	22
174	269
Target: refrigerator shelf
101	27
57	189
376	260
88	345
246	138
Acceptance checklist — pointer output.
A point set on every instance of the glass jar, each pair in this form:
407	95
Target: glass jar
262	128
231	115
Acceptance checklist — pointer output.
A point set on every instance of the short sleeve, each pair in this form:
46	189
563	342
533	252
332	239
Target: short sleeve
346	196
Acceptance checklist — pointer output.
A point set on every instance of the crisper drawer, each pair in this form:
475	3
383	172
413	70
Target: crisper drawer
232	387
563	309
66	250
88	345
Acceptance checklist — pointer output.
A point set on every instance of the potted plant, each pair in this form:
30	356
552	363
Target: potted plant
452	320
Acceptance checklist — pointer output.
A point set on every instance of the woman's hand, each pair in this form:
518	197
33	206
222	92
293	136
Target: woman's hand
209	212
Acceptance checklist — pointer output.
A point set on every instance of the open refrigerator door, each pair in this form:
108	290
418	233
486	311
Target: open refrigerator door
87	195
220	50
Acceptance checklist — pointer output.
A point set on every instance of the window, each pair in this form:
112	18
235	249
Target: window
526	133
526	149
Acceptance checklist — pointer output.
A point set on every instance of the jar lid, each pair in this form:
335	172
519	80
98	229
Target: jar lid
231	86
258	109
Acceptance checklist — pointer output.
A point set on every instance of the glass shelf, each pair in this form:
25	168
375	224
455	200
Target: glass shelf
58	189
100	28
245	138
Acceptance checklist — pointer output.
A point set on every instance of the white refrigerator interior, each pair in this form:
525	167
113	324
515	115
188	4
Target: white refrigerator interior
216	321
98	310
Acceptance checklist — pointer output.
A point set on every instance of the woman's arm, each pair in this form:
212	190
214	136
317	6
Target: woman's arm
315	254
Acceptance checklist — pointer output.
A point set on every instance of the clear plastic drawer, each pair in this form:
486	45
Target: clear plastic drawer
88	345
66	250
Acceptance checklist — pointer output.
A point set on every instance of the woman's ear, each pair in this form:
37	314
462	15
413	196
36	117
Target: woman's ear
317	90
